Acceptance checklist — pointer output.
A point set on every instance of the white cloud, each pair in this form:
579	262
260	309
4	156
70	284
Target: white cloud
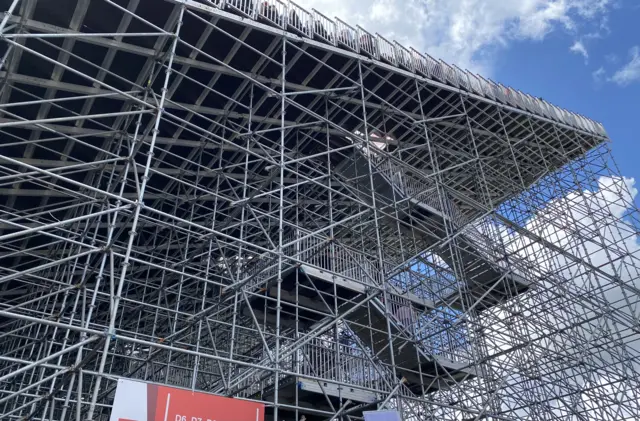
611	58
630	72
596	227
580	312
579	48
598	75
464	32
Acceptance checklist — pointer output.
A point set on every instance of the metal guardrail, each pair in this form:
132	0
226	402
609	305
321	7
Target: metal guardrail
299	19
273	11
316	252
463	79
347	36
404	57
368	43
387	50
433	340
287	14
449	74
324	28
435	68
419	63
320	358
425	191
244	7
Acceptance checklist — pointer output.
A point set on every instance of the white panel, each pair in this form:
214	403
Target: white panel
381	416
130	402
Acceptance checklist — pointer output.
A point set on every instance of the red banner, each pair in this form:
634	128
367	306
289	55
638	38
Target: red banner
184	405
169	404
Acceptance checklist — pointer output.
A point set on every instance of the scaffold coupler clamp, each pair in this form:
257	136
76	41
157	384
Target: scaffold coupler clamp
110	332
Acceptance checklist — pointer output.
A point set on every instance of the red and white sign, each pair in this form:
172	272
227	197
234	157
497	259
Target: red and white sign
137	401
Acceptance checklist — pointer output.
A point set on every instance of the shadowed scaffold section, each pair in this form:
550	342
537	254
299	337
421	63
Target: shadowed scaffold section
251	199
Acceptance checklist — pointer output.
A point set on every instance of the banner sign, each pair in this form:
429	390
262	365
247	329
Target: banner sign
137	401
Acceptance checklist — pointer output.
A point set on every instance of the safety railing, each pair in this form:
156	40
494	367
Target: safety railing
580	122
585	122
474	83
439	71
368	43
403	56
433	67
244	7
323	27
522	100
174	376
508	96
517	98
559	113
525	101
273	11
403	313
498	93
419	189
338	259
420	63
552	111
300	20
425	191
287	14
486	87
387	50
542	107
450	74
440	338
248	344
320	359
358	267
546	110
316	252
250	382
346	35
535	104
461	75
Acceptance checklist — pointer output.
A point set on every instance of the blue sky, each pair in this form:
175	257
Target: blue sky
549	69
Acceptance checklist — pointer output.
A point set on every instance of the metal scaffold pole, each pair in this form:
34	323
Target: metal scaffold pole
249	199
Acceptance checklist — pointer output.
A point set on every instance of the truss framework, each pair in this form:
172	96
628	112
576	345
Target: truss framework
224	198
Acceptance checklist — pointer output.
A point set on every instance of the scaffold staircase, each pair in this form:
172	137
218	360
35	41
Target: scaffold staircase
425	370
414	205
388	327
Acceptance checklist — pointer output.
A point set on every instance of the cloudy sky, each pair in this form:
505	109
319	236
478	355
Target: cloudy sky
583	55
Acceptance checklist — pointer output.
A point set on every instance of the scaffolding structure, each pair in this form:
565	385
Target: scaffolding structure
250	199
